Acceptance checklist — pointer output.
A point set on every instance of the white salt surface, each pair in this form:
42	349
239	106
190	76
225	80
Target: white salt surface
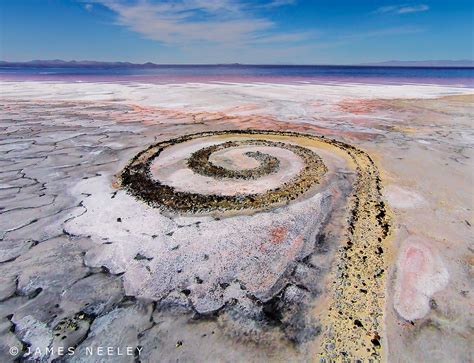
284	100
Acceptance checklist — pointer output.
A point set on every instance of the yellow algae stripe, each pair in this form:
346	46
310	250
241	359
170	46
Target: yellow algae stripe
354	323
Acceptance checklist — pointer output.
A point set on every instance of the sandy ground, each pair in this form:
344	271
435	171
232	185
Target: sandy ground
86	265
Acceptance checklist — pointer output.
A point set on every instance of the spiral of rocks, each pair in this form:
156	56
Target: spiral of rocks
136	178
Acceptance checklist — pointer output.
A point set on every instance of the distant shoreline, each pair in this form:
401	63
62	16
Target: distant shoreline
464	64
237	73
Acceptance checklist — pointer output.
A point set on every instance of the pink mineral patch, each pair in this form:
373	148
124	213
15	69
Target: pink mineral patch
359	107
279	234
420	274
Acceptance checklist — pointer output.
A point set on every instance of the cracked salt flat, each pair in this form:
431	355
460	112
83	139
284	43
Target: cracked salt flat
69	131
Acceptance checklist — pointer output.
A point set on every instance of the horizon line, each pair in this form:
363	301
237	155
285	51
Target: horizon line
395	63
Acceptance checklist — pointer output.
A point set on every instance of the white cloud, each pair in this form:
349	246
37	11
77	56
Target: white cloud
402	9
277	3
88	7
206	31
413	9
185	22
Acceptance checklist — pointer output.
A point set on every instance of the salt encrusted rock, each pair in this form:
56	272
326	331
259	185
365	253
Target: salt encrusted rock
294	295
37	335
9	343
126	323
175	303
11	249
9	306
68	333
41	305
299	326
200	258
307	277
7	287
420	274
93	295
55	264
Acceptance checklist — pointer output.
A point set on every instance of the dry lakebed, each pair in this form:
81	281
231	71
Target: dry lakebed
227	222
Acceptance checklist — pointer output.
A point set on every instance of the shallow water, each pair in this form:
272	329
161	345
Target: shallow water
247	73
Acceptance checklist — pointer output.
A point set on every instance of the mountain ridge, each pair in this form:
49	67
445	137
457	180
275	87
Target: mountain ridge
465	63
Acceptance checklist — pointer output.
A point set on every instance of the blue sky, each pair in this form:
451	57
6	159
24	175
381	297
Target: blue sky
227	31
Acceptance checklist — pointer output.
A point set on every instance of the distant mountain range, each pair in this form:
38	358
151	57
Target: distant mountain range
58	63
73	64
425	63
